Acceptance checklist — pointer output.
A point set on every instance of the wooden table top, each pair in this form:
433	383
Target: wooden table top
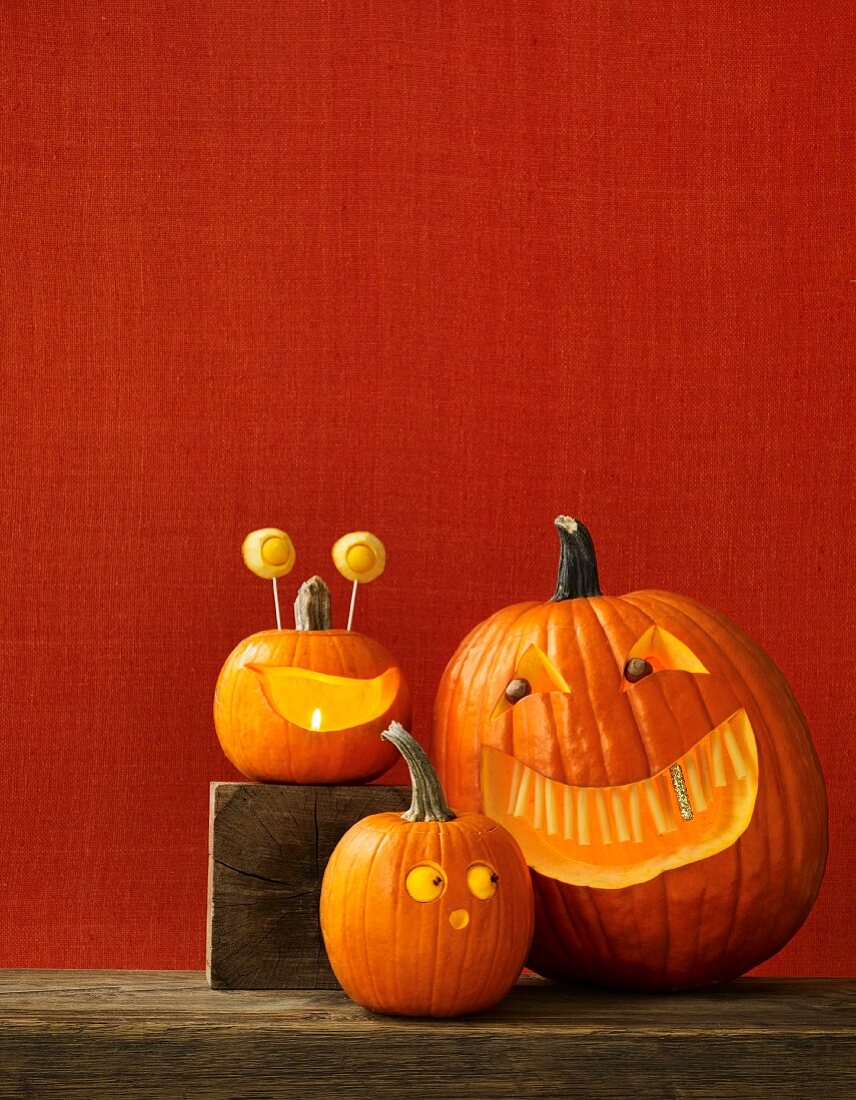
131	1033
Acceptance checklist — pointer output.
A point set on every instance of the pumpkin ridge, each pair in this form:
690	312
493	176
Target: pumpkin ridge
486	704
617	606
366	879
586	663
780	787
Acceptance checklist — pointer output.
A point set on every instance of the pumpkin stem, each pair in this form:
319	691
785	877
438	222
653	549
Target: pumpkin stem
312	606
577	562
429	802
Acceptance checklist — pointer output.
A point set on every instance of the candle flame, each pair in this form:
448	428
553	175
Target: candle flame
315	724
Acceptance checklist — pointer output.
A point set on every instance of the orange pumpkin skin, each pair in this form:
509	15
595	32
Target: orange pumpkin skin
266	746
705	918
399	956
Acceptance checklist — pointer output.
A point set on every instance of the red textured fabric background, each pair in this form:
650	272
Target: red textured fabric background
442	271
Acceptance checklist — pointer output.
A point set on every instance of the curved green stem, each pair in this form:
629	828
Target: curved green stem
429	802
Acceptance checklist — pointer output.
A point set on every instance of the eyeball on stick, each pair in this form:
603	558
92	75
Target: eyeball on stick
269	553
360	557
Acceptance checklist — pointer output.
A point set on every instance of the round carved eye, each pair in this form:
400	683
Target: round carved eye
517	689
636	669
482	880
425	882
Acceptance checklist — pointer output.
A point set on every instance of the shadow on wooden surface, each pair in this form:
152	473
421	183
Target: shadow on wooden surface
110	1034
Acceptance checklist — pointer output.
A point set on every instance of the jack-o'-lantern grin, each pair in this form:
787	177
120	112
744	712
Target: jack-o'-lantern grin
321	702
615	836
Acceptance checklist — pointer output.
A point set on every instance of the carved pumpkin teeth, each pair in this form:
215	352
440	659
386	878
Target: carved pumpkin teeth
523	793
602	817
583	835
612	836
568	807
514	790
718	761
636	815
552	796
734	753
538	817
653	800
620	819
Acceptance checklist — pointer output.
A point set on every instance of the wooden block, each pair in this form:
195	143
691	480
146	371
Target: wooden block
268	847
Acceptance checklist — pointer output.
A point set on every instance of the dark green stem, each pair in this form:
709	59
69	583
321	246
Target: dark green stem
577	562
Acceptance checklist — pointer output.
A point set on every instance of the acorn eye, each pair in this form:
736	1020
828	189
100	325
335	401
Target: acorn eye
517	689
637	669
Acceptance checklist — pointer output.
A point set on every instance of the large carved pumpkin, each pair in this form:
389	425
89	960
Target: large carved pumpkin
655	768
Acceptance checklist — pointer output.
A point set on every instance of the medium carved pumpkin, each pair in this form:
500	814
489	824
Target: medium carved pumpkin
655	768
308	705
426	913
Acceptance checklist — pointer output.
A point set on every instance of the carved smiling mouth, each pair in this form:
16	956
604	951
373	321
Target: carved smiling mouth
318	701
612	837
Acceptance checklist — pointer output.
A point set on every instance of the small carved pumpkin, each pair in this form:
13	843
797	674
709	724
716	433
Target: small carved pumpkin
426	913
655	768
308	705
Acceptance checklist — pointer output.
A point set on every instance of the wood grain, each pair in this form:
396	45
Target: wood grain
269	845
106	1034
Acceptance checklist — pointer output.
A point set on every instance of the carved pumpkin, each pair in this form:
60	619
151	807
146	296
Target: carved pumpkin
425	913
655	768
308	705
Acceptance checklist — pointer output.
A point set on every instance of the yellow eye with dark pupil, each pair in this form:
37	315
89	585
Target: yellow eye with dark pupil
425	882
482	881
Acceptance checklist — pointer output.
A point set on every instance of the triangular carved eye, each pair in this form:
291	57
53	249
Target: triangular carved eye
659	650
536	669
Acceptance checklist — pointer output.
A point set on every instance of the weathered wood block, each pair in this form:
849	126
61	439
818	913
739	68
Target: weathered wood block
268	847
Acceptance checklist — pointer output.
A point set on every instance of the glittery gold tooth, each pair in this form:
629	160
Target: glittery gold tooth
677	777
693	779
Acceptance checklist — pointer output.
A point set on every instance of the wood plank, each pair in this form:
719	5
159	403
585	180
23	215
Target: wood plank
268	847
106	1034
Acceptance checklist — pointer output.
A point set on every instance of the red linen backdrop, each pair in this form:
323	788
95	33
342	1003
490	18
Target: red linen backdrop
441	271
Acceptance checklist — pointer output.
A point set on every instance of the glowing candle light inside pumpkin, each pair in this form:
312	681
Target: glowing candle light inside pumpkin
316	719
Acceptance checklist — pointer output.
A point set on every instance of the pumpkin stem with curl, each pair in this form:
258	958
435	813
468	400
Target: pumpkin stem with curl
429	802
312	606
577	562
